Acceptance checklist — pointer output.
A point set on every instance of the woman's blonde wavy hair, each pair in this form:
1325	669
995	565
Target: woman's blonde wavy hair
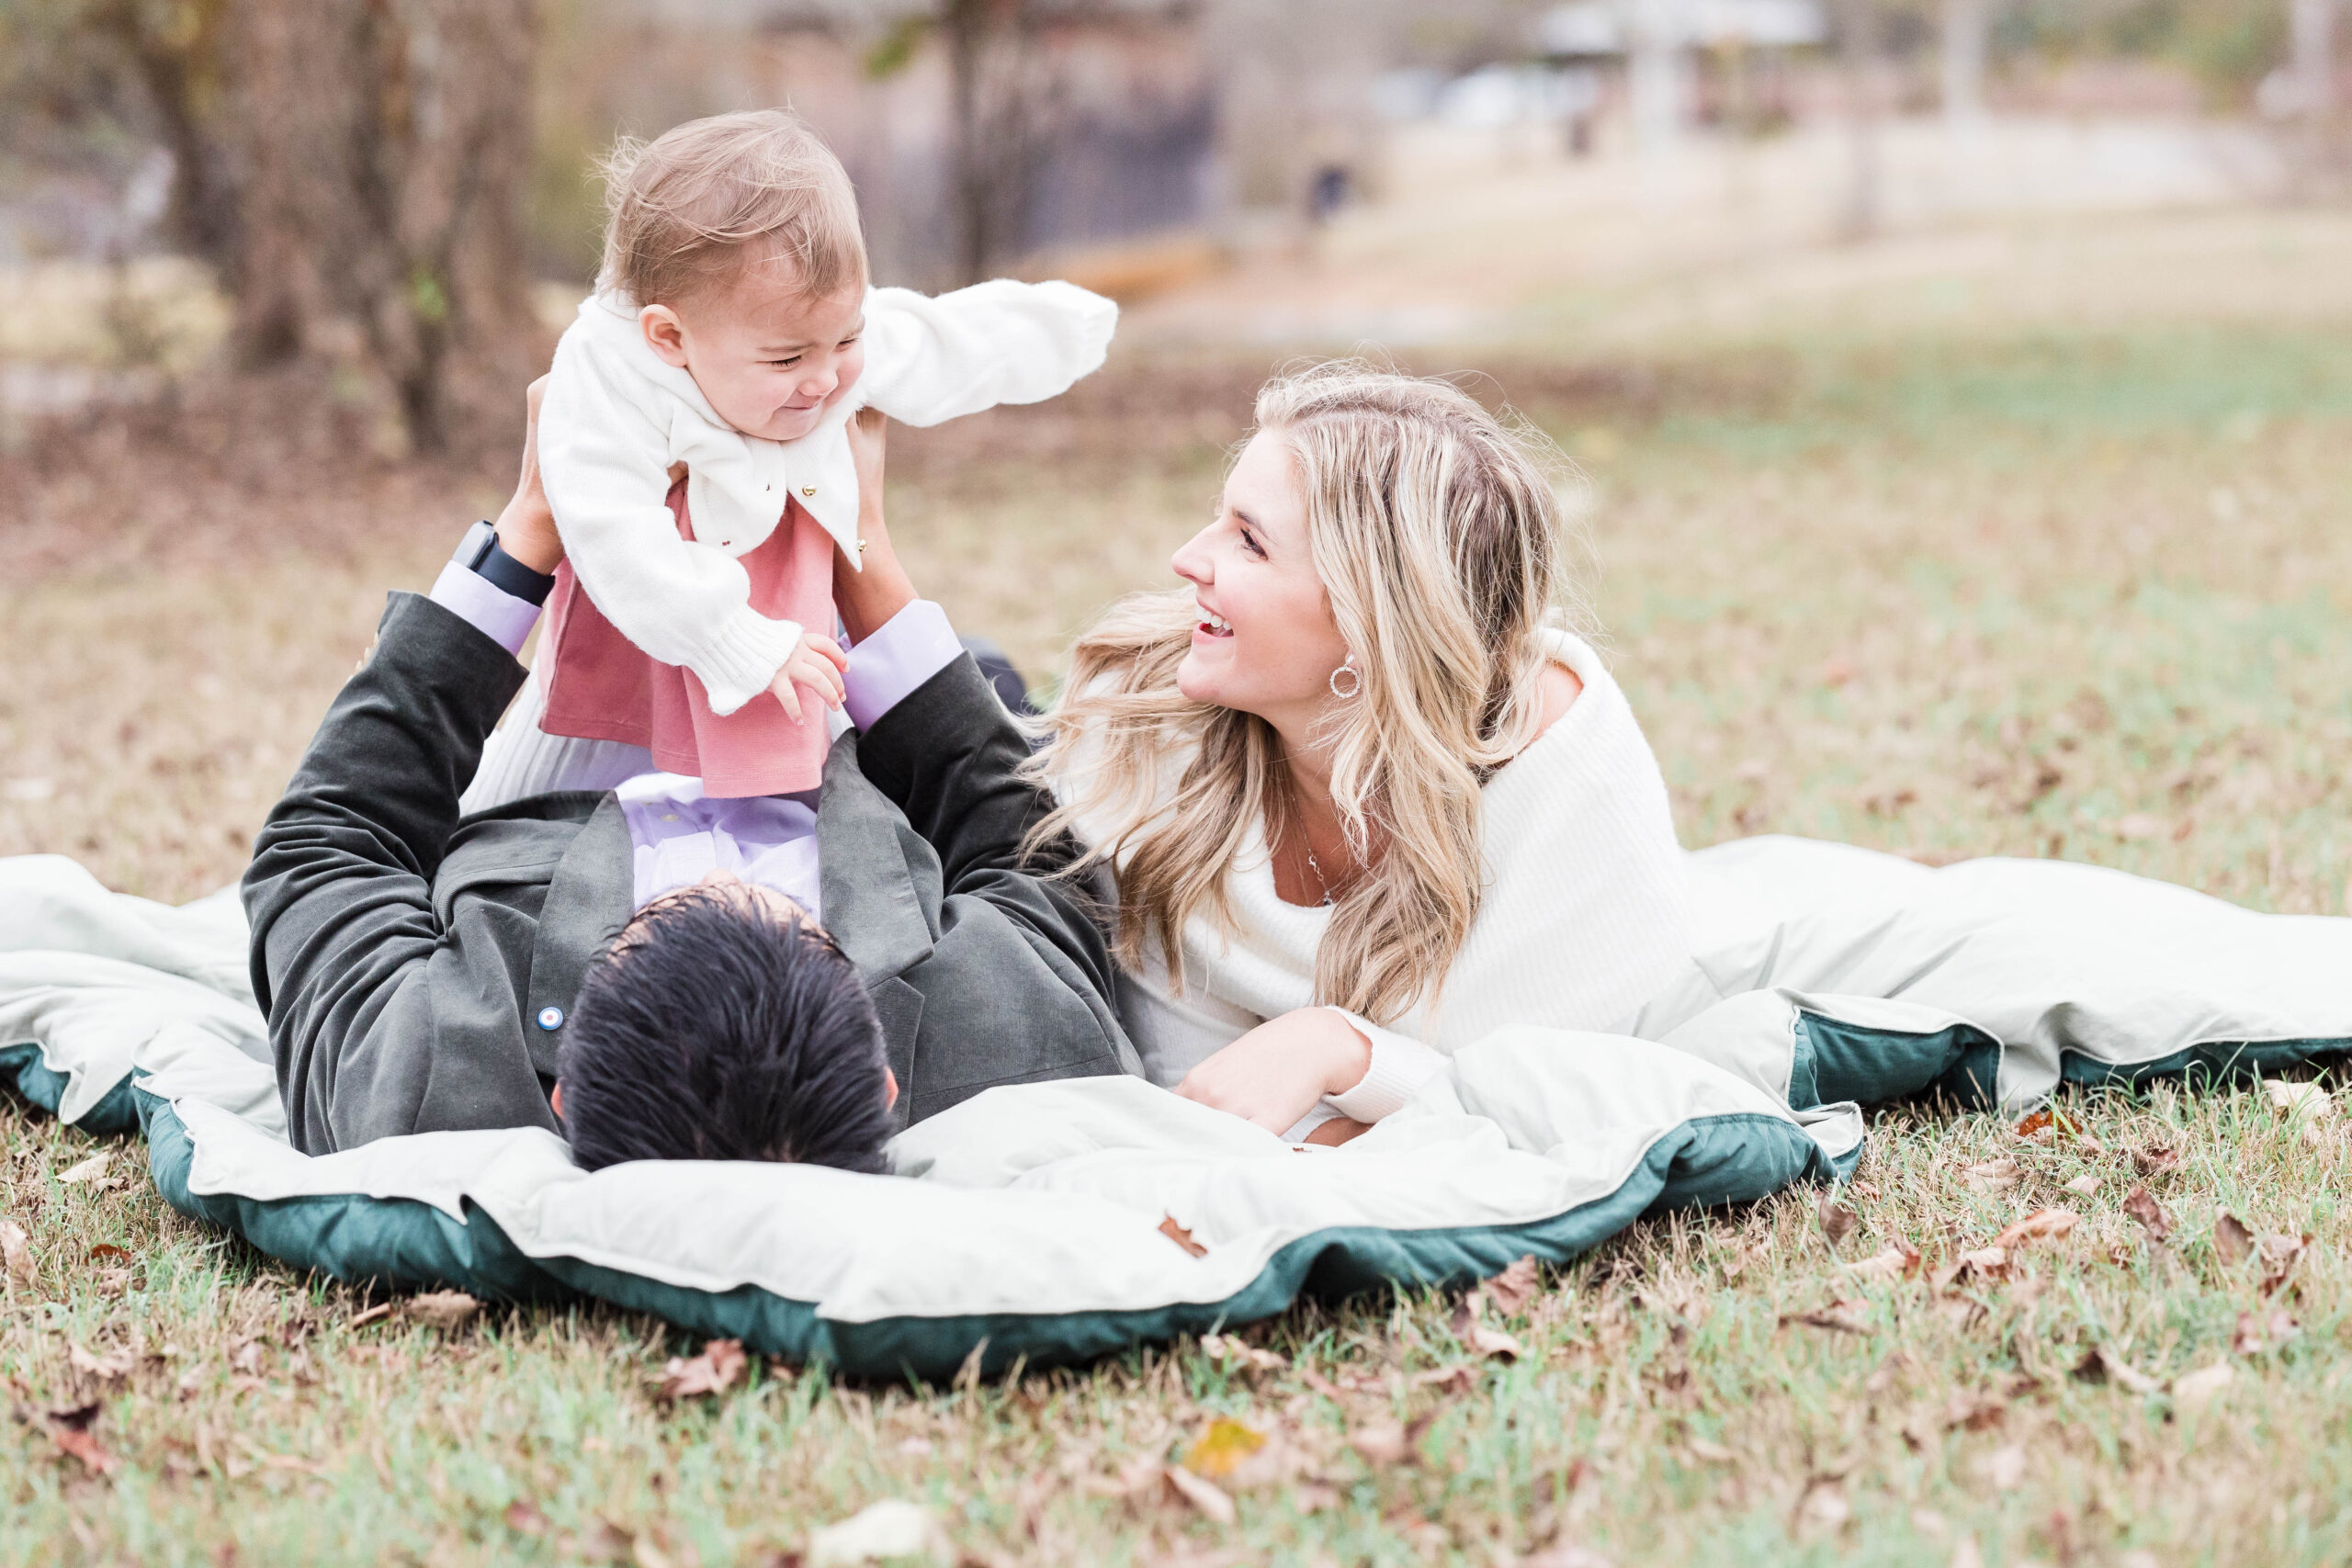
1437	532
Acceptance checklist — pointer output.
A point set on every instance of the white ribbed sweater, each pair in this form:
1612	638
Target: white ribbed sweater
1586	914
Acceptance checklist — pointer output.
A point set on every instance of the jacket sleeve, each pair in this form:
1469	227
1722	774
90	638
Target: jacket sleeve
347	944
604	461
946	755
929	360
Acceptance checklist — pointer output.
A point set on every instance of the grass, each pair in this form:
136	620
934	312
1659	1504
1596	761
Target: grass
2044	591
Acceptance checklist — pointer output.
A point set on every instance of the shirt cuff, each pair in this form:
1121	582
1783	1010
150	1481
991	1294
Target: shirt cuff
483	604
1400	1065
899	656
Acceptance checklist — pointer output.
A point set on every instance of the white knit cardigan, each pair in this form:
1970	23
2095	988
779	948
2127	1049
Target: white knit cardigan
615	417
1585	915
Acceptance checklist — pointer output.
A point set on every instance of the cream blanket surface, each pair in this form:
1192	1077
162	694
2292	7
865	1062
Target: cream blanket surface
1029	1222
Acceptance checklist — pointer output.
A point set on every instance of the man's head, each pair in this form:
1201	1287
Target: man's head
724	1024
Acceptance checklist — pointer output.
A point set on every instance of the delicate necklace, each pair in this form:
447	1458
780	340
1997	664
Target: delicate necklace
1312	864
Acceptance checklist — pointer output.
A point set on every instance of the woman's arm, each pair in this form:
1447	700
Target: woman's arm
1276	1073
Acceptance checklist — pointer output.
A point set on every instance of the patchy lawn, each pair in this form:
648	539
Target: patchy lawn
2039	592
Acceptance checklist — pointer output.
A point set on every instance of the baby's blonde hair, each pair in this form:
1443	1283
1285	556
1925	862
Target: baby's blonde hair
705	199
1437	533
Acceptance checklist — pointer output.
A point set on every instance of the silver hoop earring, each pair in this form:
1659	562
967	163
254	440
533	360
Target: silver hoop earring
1356	679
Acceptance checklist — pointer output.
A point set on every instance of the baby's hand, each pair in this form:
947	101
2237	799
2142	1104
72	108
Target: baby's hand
817	664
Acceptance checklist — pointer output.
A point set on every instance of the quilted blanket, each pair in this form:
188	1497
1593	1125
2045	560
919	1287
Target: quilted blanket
1035	1221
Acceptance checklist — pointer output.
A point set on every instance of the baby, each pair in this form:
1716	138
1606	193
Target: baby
731	337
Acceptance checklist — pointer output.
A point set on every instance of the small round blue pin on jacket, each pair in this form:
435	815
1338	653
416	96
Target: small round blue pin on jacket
550	1018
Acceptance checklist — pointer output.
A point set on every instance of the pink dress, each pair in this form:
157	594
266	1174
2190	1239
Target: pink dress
604	687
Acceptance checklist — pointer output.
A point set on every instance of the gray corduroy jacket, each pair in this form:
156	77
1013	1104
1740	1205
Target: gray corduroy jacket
408	957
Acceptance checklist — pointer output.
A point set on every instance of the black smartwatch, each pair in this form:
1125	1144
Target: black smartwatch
489	560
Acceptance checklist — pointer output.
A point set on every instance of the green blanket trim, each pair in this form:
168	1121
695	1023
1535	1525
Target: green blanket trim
1835	1060
1706	1161
22	1069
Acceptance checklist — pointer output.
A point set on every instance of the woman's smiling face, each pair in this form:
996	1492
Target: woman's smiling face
1265	642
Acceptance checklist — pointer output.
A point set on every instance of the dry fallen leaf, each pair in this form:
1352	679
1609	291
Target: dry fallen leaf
2140	825
2100	1364
1470	1328
1839	1317
88	1170
1898	1261
2157	1159
1823	1506
1381	1443
2233	1243
525	1519
1511	1289
2193	1390
69	1430
1180	1236
17	1252
113	1367
1233	1348
2084	1186
714	1371
2143	1206
2257	1334
1221	1447
1714	1453
2042	1225
2309	1100
1996	1174
2003	1466
444	1310
1566	1554
1837	1217
1984	1263
1458	1379
2279	1255
888	1531
1212	1500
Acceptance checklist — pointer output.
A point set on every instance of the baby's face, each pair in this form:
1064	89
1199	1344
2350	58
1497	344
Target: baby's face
770	358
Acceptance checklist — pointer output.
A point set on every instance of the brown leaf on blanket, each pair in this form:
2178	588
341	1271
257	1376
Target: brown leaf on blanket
444	1310
2233	1243
1180	1236
714	1371
2142	1205
2257	1333
1847	1316
2042	1225
1837	1217
16	1253
2100	1365
1899	1260
1511	1289
2279	1255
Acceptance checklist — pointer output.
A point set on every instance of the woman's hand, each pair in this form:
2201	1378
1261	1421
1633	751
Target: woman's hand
1274	1075
875	587
526	528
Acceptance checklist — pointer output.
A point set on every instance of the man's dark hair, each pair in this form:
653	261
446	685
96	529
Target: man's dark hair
719	1028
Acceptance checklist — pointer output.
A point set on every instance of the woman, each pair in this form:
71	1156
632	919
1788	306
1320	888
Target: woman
1365	798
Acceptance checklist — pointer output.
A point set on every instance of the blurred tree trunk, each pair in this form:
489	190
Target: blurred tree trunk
1966	25
356	170
1859	48
1006	95
385	147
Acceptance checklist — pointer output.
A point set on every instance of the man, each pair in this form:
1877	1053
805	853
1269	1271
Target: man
828	976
